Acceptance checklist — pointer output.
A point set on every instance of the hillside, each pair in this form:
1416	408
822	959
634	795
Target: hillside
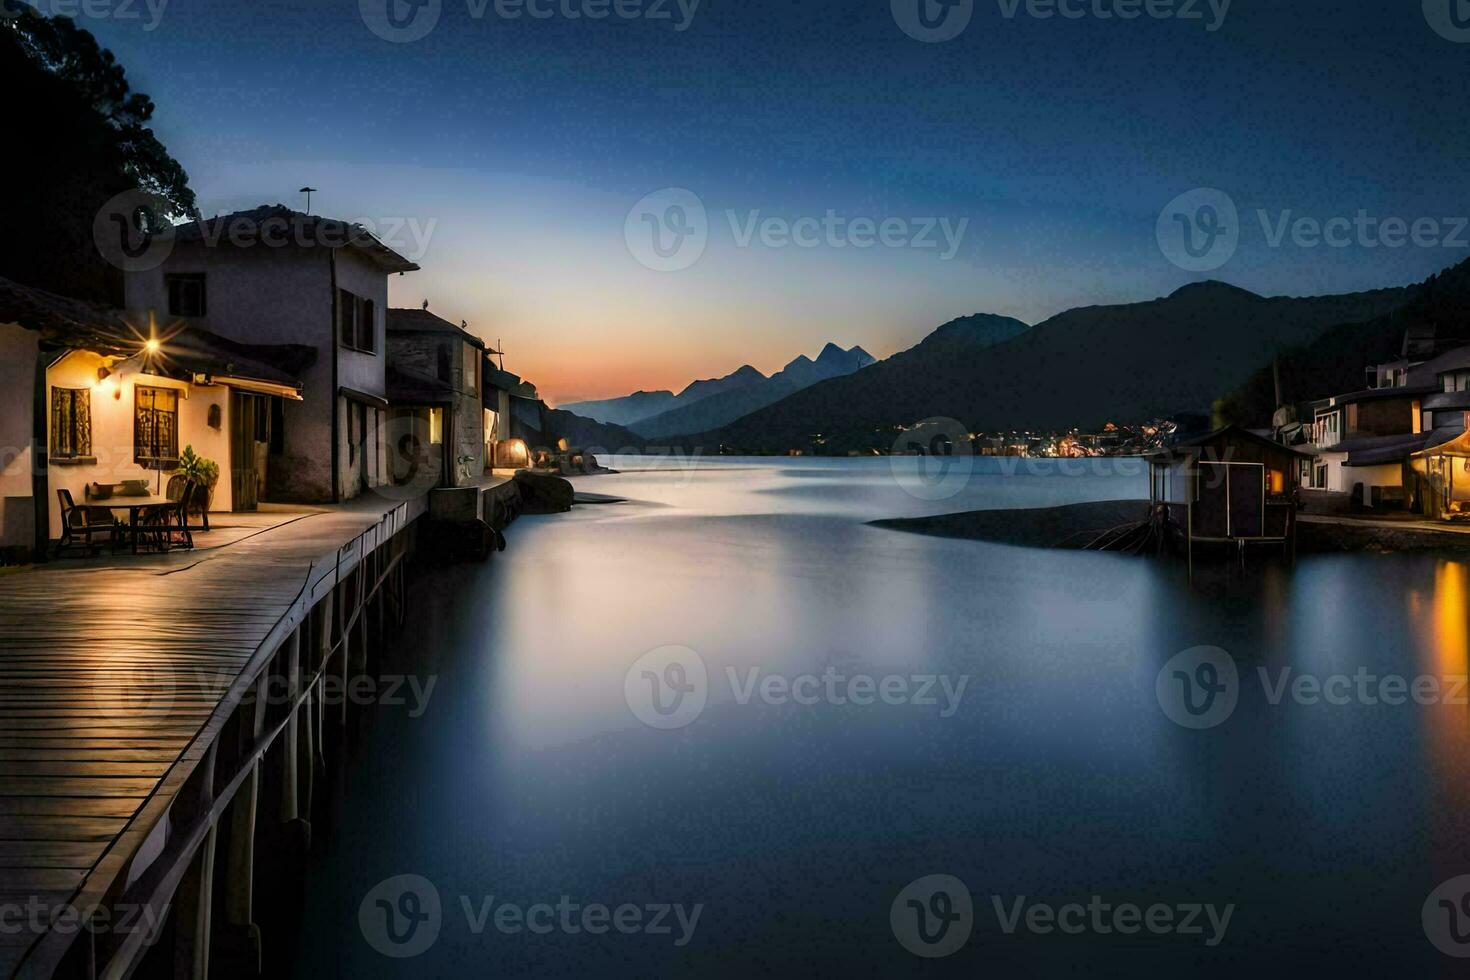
1334	363
583	433
1081	368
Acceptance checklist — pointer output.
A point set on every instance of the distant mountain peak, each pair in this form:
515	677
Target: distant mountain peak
831	351
705	387
979	328
1211	288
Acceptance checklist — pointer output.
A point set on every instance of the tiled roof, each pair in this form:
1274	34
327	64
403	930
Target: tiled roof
422	321
272	221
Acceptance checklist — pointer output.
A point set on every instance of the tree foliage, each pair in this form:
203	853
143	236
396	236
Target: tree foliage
78	136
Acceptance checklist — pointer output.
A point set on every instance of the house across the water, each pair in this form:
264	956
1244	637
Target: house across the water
1231	486
1388	447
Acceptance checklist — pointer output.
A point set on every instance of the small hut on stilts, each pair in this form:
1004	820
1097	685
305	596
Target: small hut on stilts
1231	488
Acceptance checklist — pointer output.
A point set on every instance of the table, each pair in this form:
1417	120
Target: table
135	506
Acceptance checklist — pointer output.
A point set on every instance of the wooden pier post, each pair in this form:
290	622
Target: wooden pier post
243	936
192	901
291	737
191	907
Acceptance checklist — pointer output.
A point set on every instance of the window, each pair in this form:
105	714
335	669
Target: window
471	368
1278	483
436	426
1327	429
71	423
155	426
441	367
367	334
357	323
347	317
185	294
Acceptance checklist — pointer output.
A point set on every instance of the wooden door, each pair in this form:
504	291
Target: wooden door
247	416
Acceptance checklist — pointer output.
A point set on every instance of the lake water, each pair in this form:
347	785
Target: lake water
792	817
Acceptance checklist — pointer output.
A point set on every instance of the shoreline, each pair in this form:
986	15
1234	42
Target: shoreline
1070	527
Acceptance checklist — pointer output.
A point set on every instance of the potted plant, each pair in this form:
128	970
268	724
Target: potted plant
202	472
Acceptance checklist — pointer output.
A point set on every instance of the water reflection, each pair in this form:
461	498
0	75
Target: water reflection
1058	777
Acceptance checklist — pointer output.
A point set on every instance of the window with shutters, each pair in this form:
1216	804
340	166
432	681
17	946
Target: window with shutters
71	424
155	427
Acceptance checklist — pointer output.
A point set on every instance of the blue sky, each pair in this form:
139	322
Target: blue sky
509	151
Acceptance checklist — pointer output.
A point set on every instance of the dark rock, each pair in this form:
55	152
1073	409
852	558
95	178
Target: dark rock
544	493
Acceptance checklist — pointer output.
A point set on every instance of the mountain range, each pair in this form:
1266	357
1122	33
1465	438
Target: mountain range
719	401
1082	368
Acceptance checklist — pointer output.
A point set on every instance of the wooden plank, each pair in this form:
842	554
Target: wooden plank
115	674
49	854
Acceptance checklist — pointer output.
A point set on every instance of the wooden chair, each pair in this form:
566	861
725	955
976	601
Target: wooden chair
171	522
79	525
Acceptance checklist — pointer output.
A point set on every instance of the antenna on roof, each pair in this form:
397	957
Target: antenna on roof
308	191
500	349
464	325
426	305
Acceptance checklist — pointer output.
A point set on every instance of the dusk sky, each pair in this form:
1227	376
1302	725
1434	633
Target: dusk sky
515	149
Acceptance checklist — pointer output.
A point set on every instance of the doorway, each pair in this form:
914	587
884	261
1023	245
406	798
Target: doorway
250	438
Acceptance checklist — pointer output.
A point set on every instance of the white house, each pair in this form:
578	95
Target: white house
92	399
277	276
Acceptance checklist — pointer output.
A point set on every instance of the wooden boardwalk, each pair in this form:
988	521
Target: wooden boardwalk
110	679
